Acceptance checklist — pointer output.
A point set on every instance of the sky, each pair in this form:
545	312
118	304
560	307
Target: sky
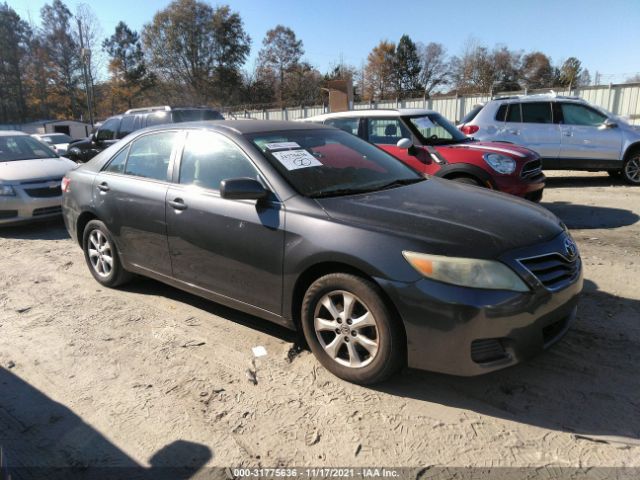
605	36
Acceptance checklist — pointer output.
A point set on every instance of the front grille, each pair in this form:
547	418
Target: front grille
42	180
47	211
554	271
487	350
44	192
4	214
531	169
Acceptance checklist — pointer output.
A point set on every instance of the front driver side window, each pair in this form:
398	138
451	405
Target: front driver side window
108	130
208	158
573	114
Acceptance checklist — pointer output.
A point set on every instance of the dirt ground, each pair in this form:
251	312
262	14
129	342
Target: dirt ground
149	375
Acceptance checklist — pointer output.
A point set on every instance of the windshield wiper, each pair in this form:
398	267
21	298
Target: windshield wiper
399	183
341	191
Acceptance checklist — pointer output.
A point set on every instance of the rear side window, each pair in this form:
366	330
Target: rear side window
109	129
472	114
501	114
349	125
196	115
514	114
537	112
209	158
126	126
116	165
149	155
158	118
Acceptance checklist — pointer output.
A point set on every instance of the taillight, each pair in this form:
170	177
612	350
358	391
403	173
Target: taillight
66	184
469	129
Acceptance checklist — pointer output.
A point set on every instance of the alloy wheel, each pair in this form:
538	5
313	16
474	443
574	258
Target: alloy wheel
346	329
632	170
100	253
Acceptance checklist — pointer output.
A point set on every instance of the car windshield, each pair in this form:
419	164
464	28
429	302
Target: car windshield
328	163
23	147
434	129
57	138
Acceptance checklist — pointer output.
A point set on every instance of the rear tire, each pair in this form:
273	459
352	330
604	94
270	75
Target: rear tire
631	169
101	255
350	329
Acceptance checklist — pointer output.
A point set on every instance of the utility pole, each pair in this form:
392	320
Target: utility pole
84	55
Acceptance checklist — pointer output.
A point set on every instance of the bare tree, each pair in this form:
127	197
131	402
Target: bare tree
89	33
281	52
435	69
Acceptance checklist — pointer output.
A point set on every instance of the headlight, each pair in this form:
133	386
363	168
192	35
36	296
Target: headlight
500	163
467	272
7	191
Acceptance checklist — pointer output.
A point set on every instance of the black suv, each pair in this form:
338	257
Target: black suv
119	126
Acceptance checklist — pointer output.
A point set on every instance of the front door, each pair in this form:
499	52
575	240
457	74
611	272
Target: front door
232	248
130	196
586	141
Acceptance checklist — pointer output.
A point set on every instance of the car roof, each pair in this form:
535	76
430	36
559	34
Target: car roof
547	97
11	133
378	112
241	127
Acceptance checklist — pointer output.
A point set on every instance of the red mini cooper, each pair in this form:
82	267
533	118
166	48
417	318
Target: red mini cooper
429	143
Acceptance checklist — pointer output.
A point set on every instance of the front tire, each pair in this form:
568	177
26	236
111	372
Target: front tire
101	255
631	169
468	181
350	329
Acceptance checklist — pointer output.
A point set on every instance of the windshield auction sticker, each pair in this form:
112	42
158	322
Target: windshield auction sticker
423	122
281	145
295	159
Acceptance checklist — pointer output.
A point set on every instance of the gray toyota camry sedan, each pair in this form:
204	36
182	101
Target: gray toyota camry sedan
313	228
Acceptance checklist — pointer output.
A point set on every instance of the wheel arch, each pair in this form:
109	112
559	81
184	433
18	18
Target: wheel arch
317	270
84	218
631	149
464	170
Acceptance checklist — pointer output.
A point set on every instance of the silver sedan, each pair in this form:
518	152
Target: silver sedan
30	176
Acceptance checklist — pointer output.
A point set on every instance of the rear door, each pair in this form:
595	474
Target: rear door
585	142
538	130
130	196
531	124
232	248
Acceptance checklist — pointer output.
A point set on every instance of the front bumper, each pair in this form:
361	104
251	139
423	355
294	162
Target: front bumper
24	207
520	187
467	331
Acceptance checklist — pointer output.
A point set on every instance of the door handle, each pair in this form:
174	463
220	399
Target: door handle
514	132
178	204
104	187
568	134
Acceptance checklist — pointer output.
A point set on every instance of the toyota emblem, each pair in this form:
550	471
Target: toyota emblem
570	248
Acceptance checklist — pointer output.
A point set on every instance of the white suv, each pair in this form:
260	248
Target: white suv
567	132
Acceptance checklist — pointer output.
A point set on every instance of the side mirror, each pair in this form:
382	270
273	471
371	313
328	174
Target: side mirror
404	143
607	124
242	189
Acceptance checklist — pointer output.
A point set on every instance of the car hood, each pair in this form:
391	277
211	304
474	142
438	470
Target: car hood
449	218
512	150
42	168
